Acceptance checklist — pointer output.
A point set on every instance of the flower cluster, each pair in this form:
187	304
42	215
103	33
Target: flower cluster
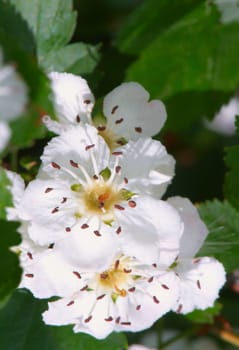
95	232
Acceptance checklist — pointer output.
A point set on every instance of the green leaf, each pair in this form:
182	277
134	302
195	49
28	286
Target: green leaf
222	220
149	21
23	312
53	25
77	58
193	57
205	316
52	22
10	271
5	194
15	28
231	187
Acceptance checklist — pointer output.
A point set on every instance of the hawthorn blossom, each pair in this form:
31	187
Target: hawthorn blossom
128	114
200	278
87	194
125	297
13	98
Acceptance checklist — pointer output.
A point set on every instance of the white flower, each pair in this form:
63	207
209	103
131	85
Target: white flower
200	278
93	193
125	297
13	92
16	187
5	134
129	115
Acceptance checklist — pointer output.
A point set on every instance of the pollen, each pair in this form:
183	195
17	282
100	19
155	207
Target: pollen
100	198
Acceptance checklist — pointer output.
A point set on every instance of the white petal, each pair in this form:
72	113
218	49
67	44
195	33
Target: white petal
147	166
151	231
71	145
85	250
49	215
195	231
154	300
13	92
139	347
200	282
72	98
45	273
17	190
129	102
61	314
5	134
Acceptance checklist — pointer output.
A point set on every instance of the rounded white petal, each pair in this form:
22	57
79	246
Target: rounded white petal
44	206
129	113
139	347
87	251
147	166
5	134
200	282
150	231
72	146
195	231
72	98
13	92
62	312
45	273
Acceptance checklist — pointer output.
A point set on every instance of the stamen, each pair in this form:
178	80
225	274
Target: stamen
29	275
100	297
117	262
95	177
109	319
84	226
48	189
74	164
84	288
88	319
179	308
64	199
67	229
196	261
126	180
87	102
101	128
164	286
70	303
117	153
118	231
77	274
138	129
117	320
155	299
138	307
127	271
29	255
119	207
55	210
154	265
104	275
55	165
97	233
132	289
51	246
78	118
89	147
117	169
126	323
198	284
150	279
114	109
118	121
132	204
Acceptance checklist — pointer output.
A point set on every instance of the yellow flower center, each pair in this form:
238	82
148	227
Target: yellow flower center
100	198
